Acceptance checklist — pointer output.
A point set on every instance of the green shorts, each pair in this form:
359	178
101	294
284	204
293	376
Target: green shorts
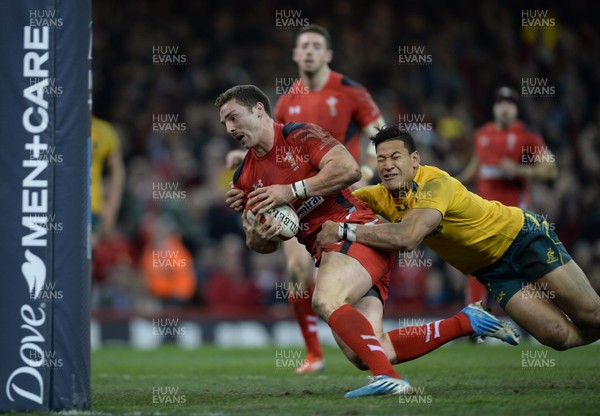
535	252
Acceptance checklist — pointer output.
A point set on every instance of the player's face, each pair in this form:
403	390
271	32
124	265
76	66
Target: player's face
505	112
311	53
396	166
242	123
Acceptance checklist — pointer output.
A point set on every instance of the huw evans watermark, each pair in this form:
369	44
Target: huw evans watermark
168	328
290	19
167	395
289	359
538	19
167	123
537	88
167	55
413	55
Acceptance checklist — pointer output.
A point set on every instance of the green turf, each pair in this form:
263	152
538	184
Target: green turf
459	379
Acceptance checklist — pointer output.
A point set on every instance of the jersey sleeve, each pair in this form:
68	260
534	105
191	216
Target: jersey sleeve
365	110
436	194
316	141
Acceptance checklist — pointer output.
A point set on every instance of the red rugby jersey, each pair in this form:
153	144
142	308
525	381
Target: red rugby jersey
491	146
296	153
342	107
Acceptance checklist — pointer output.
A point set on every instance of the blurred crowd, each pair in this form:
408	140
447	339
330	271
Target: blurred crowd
158	67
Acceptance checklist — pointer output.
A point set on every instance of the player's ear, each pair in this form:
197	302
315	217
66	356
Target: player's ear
328	55
416	158
260	108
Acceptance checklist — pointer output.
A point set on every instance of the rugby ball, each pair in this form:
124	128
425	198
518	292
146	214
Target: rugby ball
285	214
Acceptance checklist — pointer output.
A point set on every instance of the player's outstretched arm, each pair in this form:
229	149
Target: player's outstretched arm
369	160
402	236
539	171
369	163
469	173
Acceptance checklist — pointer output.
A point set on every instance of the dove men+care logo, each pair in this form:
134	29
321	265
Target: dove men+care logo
26	381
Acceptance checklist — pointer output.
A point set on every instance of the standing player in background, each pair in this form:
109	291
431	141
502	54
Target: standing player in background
106	153
343	108
105	200
507	155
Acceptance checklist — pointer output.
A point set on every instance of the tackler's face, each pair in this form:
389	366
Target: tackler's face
396	166
241	122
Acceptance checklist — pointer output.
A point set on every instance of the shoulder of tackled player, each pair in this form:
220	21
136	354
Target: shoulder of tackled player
303	132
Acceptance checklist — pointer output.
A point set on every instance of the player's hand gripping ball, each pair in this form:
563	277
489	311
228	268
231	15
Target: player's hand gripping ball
290	222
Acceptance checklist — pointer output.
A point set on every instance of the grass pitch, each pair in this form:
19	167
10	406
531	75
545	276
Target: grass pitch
459	379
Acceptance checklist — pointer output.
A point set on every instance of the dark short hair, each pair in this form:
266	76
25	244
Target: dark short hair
315	29
246	95
506	93
394	132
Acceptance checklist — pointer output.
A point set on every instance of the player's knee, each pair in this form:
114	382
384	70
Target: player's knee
588	318
321	307
324	306
556	337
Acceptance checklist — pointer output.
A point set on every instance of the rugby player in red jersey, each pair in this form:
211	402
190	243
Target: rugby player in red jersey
507	155
352	281
343	108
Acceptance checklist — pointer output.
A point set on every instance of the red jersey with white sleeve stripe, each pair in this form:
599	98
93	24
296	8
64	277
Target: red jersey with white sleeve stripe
342	107
296	153
515	143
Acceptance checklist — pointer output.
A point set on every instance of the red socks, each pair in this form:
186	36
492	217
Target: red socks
307	320
356	331
414	341
474	291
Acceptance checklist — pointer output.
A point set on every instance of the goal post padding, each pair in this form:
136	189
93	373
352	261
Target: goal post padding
45	103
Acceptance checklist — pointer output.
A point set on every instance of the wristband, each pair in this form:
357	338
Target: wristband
347	231
351	232
299	189
342	230
294	191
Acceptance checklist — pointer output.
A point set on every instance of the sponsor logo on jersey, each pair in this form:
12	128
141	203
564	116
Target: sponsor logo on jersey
257	185
309	205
